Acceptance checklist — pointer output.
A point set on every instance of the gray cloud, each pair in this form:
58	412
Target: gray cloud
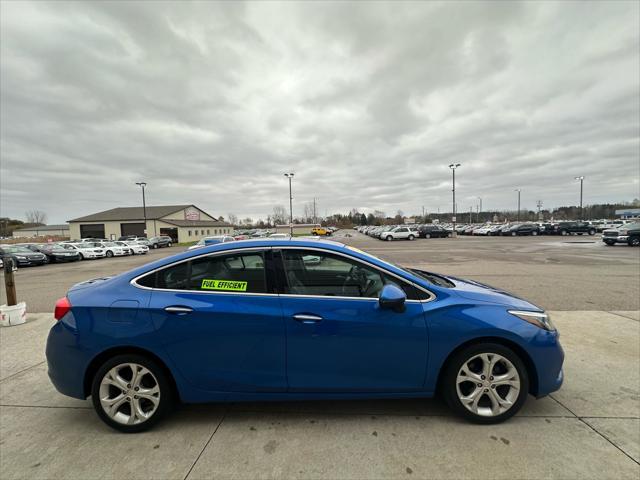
368	103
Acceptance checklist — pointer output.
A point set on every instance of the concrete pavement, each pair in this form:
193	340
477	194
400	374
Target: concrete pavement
589	429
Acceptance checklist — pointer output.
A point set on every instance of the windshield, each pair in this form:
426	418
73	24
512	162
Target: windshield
429	277
14	249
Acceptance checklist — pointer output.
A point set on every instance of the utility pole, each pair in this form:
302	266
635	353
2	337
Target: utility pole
518	214
423	219
453	167
471	214
581	178
290	176
315	217
144	206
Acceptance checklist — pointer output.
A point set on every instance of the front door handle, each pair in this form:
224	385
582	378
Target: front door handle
178	310
307	318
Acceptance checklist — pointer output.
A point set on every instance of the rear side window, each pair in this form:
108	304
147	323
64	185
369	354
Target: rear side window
220	273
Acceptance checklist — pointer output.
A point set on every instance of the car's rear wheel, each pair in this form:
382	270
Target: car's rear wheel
563	232
388	238
169	244
486	383
131	393
80	256
155	245
513	234
427	235
534	233
109	254
411	237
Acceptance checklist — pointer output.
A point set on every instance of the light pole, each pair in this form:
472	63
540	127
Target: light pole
479	208
518	215
290	176
453	167
144	205
581	178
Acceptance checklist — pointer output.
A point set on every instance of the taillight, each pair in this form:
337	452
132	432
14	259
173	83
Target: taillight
63	306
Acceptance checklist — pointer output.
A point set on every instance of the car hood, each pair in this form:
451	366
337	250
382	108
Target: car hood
477	291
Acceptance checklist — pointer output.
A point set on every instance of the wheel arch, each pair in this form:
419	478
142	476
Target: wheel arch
102	357
518	350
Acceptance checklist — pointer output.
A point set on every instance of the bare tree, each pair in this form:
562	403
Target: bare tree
36	217
233	218
308	212
280	215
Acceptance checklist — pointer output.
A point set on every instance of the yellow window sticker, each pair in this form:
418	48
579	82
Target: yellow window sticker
227	285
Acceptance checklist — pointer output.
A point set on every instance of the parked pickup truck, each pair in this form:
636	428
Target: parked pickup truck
567	228
629	234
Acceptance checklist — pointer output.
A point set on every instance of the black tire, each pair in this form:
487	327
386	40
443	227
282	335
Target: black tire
169	244
564	233
634	241
166	399
534	233
389	238
513	234
411	237
454	365
427	235
80	256
609	243
155	245
109	254
592	232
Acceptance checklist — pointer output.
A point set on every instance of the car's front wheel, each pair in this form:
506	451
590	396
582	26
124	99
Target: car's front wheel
109	254
411	237
486	383
427	235
388	238
131	393
634	241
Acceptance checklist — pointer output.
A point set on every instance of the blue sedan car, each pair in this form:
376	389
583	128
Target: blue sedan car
294	320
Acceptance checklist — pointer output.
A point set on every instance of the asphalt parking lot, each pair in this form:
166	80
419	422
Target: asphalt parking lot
557	273
588	429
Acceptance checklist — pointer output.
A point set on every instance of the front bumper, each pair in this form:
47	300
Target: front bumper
618	239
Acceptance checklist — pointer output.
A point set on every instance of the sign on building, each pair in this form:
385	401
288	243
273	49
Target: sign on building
191	213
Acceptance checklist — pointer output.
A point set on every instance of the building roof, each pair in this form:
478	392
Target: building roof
63	226
132	213
196	223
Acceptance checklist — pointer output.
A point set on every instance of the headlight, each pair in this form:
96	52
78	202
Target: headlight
21	257
539	319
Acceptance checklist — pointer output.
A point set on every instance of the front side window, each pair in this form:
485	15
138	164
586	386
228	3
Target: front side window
241	273
325	274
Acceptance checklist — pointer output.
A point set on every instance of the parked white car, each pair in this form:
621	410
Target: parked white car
279	235
399	233
206	241
484	230
85	249
112	249
134	247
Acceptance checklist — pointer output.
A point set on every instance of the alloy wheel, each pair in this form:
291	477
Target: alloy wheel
488	384
129	394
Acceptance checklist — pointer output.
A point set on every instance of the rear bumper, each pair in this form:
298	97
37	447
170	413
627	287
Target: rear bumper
65	360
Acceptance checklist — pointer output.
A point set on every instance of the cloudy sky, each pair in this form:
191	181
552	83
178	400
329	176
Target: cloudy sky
210	103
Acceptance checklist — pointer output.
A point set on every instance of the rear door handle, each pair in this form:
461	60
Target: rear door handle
178	310
307	318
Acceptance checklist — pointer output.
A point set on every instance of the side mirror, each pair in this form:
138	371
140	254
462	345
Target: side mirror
392	297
